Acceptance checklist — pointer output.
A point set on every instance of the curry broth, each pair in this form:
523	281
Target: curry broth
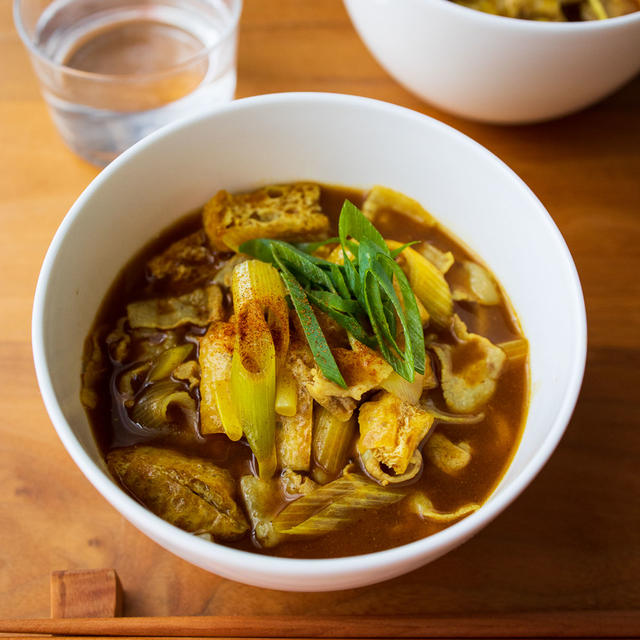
493	441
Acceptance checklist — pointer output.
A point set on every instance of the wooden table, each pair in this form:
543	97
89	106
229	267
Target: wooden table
572	540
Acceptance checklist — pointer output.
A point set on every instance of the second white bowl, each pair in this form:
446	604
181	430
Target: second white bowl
496	69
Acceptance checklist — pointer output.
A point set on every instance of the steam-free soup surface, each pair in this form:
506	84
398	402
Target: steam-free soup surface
490	441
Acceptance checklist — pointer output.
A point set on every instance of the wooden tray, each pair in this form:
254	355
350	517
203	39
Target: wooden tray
571	542
87	603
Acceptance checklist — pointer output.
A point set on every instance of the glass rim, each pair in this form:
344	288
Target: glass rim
124	77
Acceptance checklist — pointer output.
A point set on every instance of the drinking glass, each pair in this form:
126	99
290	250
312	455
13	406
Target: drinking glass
113	71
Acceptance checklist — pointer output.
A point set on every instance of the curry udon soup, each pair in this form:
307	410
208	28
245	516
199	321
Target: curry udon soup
286	373
554	10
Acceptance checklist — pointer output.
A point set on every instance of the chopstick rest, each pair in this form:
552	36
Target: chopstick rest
87	593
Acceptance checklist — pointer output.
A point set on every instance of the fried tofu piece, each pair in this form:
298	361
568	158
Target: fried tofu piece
191	493
288	212
392	429
216	353
186	261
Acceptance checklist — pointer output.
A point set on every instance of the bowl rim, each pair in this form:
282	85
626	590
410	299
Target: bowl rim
258	564
531	25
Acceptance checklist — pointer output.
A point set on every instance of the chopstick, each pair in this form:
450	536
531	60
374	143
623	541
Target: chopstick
551	624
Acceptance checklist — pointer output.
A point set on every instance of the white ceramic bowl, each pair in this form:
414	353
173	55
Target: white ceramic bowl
337	140
496	69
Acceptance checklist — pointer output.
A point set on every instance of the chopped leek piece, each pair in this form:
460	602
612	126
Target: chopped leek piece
598	9
479	285
286	393
261	500
262	340
384	199
333	505
424	314
226	410
253	392
517	349
441	259
408	391
131	380
259	304
331	440
320	475
168	360
151	409
427	283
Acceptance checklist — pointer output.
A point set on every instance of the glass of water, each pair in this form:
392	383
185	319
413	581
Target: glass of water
113	71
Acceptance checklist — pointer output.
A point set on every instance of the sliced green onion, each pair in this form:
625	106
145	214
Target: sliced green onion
313	332
310	247
333	505
369	283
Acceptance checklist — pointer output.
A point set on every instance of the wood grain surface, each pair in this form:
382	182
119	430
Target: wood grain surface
558	624
571	541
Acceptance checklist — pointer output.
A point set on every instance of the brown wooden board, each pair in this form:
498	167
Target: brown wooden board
566	624
571	541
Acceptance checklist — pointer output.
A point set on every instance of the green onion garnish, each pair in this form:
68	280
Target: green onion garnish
359	295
